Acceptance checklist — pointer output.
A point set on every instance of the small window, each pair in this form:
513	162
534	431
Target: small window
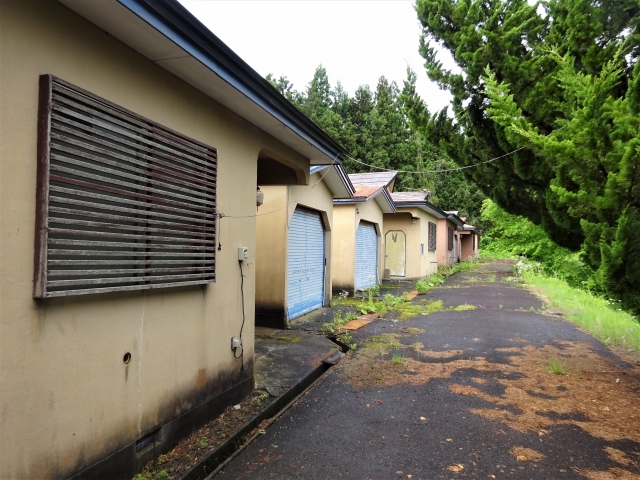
422	249
123	203
450	238
432	237
473	242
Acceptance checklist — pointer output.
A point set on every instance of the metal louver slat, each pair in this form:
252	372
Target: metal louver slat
305	263
366	257
123	203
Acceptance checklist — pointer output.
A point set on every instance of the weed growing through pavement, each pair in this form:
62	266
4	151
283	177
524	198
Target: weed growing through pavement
553	365
462	308
398	360
432	307
203	442
334	328
260	398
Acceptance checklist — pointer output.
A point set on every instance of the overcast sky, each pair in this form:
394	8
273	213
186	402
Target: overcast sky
356	41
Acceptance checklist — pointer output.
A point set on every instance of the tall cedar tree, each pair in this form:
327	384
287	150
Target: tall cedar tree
385	128
558	82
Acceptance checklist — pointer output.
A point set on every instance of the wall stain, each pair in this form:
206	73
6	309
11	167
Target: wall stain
201	377
65	464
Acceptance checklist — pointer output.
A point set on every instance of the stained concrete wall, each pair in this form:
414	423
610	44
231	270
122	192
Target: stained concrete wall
67	399
271	252
343	264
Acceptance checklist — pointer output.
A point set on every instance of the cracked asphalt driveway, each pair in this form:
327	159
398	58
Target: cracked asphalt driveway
497	389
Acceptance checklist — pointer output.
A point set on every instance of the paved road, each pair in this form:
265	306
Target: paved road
462	394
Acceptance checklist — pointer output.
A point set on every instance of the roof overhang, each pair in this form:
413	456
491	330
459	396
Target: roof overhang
167	34
381	196
424	206
336	179
455	219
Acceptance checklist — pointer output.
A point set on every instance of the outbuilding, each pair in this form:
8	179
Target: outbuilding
294	229
358	244
411	236
448	247
469	242
128	130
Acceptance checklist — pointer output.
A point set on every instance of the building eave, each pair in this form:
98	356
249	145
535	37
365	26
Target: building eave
169	35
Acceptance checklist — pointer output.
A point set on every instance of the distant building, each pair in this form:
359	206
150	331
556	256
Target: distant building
358	244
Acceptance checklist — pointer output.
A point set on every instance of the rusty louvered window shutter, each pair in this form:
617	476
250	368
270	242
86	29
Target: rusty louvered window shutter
450	238
122	202
432	237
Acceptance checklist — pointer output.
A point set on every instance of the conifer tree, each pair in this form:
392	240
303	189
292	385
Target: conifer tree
556	82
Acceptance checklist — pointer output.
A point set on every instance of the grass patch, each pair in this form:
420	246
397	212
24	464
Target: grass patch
414	330
289	339
398	360
463	308
596	315
408	310
554	365
383	342
432	307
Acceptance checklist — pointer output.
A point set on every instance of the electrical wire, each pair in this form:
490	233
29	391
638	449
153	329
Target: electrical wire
424	172
243	317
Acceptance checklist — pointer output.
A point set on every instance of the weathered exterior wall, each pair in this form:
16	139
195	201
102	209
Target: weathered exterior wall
343	263
66	397
428	261
272	244
271	253
417	265
445	256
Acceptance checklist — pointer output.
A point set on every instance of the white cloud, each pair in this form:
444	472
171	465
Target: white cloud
355	41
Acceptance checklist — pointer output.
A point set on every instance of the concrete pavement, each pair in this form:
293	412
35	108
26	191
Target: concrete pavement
494	389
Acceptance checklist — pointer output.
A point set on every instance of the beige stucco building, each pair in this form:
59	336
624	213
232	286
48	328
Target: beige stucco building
295	228
127	127
411	237
358	242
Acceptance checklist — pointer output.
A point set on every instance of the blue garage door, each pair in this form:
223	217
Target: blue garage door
366	256
305	263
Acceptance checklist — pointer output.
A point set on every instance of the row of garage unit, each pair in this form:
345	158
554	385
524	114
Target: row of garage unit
344	233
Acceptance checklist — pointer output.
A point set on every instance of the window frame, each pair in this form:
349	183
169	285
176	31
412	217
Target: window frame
105	173
433	236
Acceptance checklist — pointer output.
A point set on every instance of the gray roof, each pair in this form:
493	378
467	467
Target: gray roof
410	196
375	178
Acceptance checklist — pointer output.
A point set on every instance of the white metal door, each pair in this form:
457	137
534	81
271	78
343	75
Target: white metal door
366	256
305	263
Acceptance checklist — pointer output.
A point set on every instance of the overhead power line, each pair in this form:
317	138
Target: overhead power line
424	172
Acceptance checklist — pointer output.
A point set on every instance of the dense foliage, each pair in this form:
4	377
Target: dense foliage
385	128
507	236
558	83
